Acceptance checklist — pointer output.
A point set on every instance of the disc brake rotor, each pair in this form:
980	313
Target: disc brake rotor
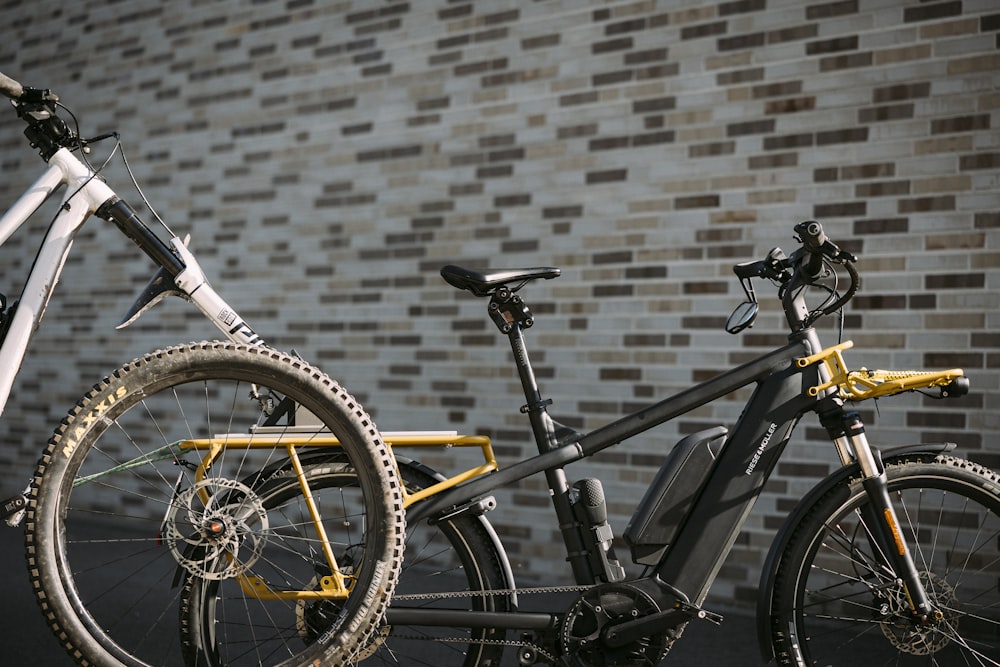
216	529
914	639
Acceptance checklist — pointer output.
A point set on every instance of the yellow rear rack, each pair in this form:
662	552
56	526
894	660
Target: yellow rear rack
309	437
863	384
338	584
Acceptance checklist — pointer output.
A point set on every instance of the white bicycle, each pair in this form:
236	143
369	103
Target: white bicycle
140	491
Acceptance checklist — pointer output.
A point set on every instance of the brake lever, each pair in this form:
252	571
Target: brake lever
776	266
36	96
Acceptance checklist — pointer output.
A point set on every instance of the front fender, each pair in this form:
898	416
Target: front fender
781	539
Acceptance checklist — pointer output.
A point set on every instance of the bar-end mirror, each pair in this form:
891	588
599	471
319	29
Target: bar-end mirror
743	317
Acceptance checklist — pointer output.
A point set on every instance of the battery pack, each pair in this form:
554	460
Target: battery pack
671	494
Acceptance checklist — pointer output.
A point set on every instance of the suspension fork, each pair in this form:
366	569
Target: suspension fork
848	434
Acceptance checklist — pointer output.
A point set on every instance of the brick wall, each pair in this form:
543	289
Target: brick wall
328	157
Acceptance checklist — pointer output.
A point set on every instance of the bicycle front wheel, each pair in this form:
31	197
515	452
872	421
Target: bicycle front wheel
149	483
837	602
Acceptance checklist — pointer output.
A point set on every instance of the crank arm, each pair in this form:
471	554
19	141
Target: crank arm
655	624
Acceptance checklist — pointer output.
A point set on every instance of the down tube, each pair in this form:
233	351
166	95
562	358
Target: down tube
44	274
746	461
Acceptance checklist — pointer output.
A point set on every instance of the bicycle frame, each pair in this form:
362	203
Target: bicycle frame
790	382
86	195
739	473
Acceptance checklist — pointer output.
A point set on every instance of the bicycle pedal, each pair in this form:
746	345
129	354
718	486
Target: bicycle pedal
13	510
699	613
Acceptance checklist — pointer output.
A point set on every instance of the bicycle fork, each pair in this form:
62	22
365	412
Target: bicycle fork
848	434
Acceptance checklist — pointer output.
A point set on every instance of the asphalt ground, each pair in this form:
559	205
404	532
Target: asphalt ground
28	641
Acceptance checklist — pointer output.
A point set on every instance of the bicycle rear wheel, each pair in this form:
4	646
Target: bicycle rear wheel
453	564
148	483
837	602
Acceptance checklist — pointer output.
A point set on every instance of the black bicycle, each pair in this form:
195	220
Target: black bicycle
892	559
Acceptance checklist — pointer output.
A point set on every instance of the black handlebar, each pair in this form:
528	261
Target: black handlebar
802	268
37	107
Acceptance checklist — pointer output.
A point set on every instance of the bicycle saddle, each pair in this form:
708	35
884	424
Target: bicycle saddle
484	283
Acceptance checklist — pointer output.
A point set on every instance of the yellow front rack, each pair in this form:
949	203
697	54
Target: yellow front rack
863	384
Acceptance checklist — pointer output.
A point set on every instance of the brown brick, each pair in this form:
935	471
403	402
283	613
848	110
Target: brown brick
790	105
882	189
739	42
621	374
864	171
899	92
647	56
712	322
619	44
706	287
935	420
773	160
711	149
540	42
607	176
788	141
880	302
987	220
613	257
698	201
969	240
741	7
504	201
850	135
931	12
835	45
777	89
960	124
611	78
840	210
519	246
927	204
882	226
750	127
954	281
645	273
831	9
571	211
852	61
792	34
704	30
888	112
575	131
978	161
644	340
608	143
588	97
654	105
620	290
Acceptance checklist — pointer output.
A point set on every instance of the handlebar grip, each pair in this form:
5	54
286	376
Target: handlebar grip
813	239
812	234
9	87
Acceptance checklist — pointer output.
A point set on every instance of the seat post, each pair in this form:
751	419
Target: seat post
512	316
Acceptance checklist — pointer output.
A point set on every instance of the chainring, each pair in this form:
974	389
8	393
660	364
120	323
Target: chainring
599	608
